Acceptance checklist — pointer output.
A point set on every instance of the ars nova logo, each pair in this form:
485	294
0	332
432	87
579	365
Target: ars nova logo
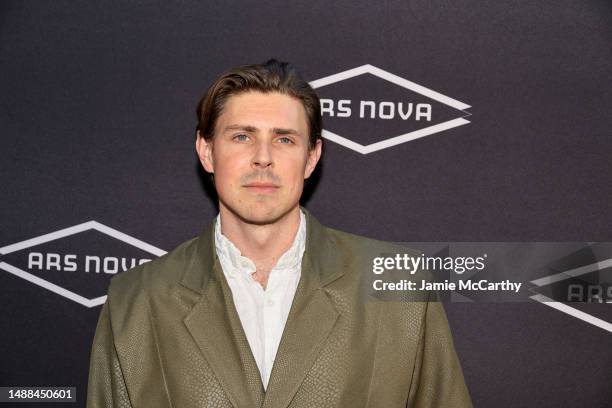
76	262
367	109
567	291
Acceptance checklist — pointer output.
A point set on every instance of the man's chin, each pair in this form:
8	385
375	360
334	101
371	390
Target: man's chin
262	215
262	218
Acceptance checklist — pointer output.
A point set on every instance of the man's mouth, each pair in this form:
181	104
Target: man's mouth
262	187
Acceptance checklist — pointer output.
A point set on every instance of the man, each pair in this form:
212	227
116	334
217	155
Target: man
267	308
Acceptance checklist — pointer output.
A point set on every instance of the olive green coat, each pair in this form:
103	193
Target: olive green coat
169	336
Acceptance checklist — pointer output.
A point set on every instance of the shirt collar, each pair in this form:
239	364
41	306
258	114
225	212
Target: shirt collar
230	255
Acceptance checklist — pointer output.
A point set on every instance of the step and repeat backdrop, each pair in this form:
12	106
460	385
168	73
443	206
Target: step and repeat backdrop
445	121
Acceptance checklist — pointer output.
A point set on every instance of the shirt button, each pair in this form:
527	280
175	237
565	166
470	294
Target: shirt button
270	302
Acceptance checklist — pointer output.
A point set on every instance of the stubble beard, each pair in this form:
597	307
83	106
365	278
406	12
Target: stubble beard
258	212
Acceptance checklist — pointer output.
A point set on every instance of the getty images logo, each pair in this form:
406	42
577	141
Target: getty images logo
76	262
367	109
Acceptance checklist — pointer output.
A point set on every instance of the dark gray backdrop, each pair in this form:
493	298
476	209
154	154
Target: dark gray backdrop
97	119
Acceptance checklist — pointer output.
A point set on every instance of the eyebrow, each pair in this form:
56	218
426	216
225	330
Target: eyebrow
253	129
246	128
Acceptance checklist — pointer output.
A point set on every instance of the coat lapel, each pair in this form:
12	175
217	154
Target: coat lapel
310	321
216	328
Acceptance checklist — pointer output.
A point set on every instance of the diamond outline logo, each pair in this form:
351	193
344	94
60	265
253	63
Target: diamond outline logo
86	226
404	83
562	307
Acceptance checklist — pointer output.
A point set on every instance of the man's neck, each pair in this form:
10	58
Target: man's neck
263	244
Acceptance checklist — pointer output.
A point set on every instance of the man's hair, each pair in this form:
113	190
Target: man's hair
272	76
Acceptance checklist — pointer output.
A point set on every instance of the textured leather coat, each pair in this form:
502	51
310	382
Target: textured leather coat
169	336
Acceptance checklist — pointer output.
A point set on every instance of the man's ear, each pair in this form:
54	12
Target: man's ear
314	155
204	149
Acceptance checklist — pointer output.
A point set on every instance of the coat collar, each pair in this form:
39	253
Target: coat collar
318	251
215	326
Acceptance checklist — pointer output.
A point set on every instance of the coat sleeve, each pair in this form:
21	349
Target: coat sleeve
437	380
106	386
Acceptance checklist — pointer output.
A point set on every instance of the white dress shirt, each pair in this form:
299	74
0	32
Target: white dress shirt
263	313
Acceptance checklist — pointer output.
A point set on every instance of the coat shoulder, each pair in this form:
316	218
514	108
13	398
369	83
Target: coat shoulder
358	245
136	285
357	256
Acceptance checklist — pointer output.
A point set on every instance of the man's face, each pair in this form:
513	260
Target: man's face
259	155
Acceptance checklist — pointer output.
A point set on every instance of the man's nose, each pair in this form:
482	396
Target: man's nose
263	156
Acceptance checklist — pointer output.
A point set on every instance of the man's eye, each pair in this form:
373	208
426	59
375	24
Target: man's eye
285	140
241	138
